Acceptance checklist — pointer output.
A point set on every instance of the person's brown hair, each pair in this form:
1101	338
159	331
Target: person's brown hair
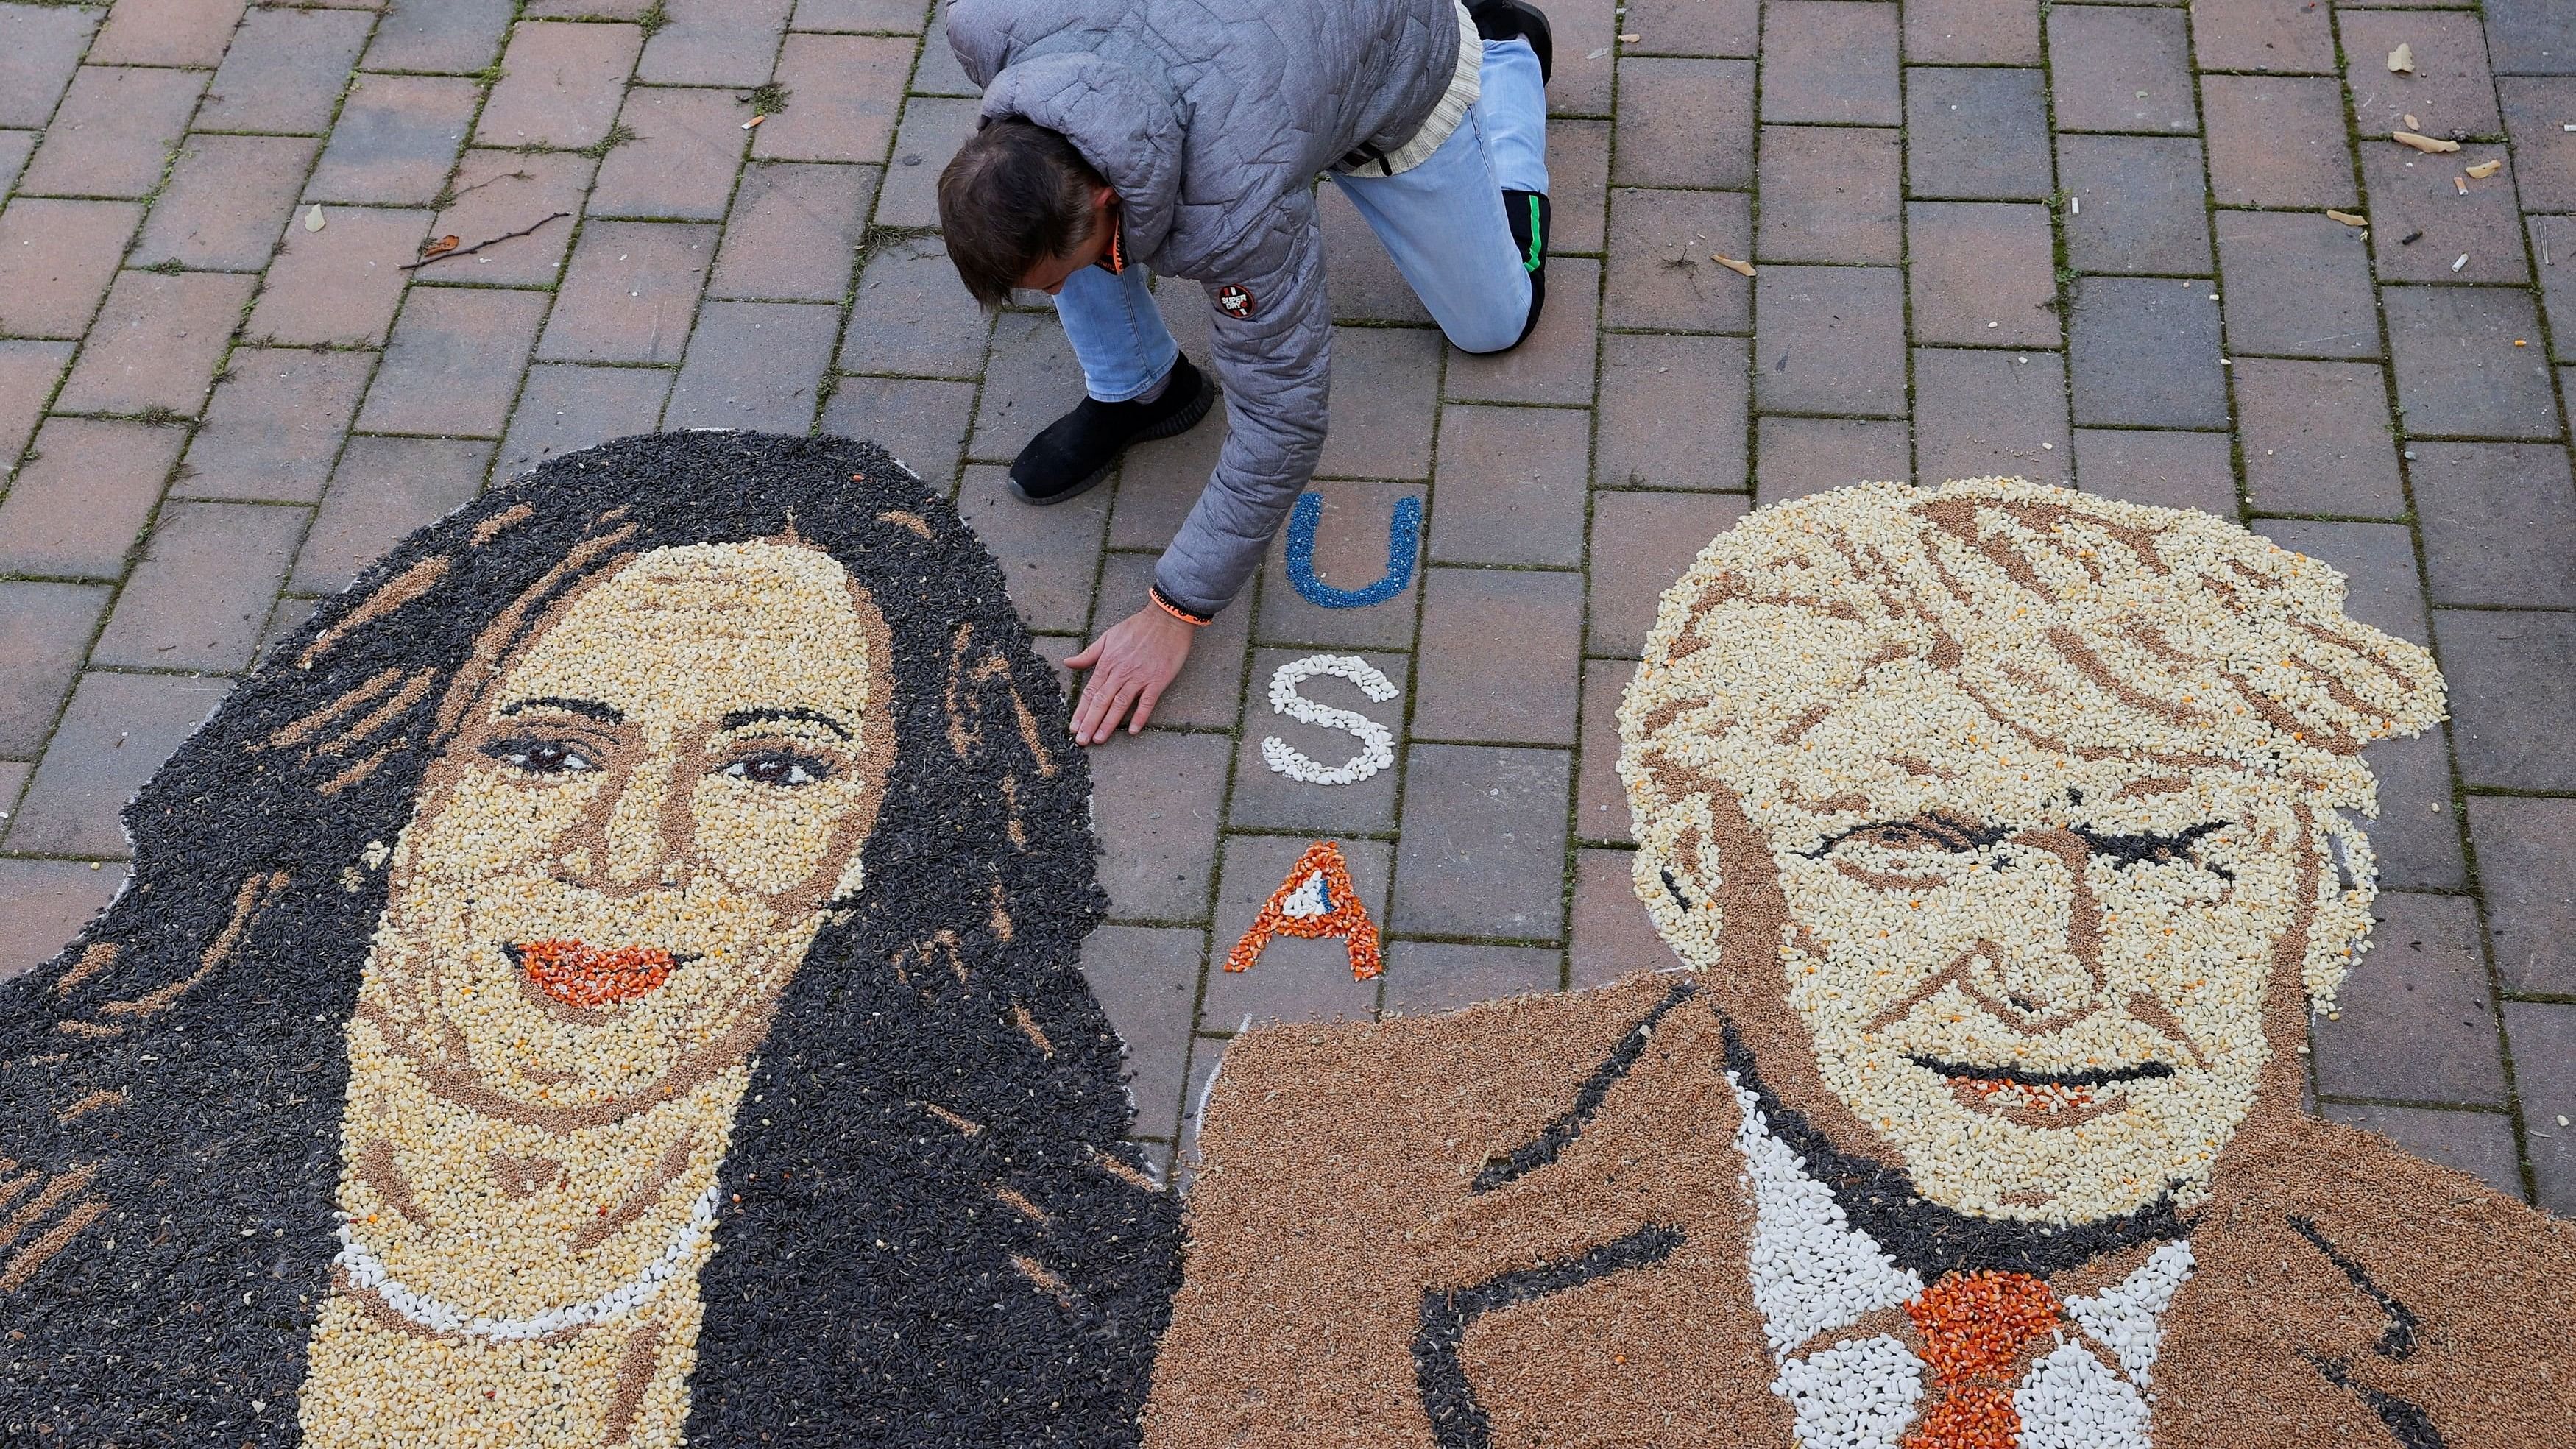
1014	195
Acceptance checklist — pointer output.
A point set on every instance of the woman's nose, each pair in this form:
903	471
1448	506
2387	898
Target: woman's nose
640	842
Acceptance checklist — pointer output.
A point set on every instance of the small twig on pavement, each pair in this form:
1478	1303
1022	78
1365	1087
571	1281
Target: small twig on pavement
478	246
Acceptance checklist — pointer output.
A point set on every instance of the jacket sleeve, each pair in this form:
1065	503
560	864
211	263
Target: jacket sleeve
977	34
1276	365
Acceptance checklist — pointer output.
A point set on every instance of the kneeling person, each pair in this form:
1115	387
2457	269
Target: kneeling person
1128	136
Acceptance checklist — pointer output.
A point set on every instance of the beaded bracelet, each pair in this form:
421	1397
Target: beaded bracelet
1164	601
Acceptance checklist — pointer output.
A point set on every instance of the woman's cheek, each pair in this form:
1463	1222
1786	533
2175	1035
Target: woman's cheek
771	841
487	825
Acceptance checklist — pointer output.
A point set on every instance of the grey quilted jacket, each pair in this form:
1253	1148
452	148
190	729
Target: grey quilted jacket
1212	118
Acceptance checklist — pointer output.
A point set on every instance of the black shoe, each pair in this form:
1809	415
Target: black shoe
1528	214
1516	20
1077	450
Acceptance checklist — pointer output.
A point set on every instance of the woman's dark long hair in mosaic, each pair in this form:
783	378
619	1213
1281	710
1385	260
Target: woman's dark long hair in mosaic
171	1086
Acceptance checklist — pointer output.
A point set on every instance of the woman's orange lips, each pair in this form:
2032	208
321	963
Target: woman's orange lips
578	974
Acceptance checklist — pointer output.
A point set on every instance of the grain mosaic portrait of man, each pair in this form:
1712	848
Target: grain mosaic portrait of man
2007	838
611	979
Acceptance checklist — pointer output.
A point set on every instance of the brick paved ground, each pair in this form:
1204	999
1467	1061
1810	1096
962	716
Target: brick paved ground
2076	242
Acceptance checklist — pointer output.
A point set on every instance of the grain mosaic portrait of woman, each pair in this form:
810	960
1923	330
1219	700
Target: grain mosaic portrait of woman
610	979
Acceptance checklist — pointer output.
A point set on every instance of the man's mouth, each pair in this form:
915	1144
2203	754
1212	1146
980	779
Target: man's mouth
578	974
2040	1099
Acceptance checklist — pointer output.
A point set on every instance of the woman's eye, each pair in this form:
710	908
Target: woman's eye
781	768
541	757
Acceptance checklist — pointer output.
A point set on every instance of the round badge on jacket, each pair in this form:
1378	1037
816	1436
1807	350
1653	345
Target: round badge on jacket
1235	301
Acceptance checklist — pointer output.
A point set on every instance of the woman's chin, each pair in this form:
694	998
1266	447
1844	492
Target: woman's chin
548	1092
482	1072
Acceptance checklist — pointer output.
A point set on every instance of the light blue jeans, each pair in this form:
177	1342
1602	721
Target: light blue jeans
1441	221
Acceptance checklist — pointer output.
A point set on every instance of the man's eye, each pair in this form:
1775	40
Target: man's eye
1936	833
541	757
783	768
2179	847
1901	837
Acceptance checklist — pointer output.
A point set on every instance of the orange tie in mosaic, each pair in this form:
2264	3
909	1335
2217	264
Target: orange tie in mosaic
1975	1329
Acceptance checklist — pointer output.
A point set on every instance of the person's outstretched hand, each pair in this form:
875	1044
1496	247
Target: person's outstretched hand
1136	660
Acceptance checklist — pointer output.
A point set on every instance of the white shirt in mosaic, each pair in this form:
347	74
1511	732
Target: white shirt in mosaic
1812	1273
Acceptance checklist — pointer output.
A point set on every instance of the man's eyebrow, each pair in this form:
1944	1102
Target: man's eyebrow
591	708
741	717
1952	831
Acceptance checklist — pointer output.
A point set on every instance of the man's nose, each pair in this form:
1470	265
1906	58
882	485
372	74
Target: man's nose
2054	967
2030	986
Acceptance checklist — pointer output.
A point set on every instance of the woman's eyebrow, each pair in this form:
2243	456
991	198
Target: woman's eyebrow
741	717
591	708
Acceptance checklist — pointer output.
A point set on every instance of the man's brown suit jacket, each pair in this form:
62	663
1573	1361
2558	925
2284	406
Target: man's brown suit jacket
1345	1267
